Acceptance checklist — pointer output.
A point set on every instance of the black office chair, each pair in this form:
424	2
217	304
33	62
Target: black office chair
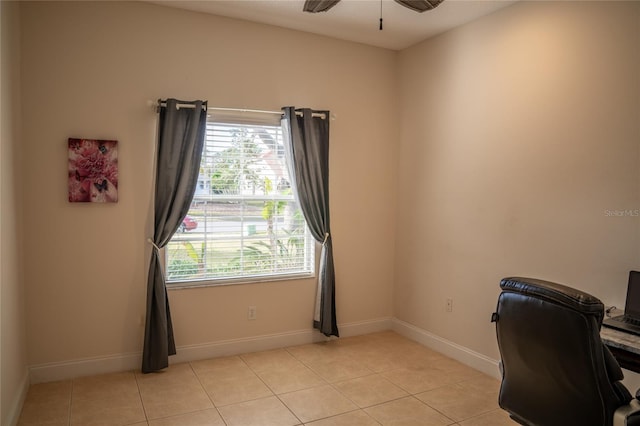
555	369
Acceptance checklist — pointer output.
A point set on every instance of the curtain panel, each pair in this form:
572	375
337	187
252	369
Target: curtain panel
306	136
181	132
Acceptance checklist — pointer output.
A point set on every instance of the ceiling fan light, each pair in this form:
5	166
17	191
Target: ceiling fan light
420	5
315	6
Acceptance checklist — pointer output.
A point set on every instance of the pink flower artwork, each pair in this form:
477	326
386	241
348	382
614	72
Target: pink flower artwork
93	171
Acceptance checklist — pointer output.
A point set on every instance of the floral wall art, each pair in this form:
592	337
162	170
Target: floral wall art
93	171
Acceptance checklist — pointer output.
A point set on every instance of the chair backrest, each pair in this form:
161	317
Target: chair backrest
556	370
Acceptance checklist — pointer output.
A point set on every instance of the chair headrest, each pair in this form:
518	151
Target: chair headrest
554	292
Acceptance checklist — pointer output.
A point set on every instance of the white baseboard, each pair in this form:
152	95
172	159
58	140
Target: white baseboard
365	327
66	370
273	341
446	347
132	361
13	412
125	362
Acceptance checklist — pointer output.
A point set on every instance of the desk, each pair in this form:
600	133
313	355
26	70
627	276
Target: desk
624	346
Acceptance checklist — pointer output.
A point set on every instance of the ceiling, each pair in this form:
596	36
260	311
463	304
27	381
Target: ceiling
353	20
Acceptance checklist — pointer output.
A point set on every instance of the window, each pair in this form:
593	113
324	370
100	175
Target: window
244	223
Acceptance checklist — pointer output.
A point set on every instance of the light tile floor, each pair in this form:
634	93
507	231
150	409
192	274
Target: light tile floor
376	379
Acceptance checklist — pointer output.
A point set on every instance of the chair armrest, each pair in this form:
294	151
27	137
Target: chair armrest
627	415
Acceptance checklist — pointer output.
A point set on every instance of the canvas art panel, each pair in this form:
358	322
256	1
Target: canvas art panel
93	171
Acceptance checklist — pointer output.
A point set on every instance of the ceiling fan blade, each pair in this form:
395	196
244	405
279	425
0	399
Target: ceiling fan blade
315	6
420	5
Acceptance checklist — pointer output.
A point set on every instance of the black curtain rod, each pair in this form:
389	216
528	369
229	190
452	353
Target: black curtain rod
163	104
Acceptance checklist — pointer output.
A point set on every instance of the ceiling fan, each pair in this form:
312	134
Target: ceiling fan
315	6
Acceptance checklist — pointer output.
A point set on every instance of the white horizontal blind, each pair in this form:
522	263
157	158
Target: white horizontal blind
244	223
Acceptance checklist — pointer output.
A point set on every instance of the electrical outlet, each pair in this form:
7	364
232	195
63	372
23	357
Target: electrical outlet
449	305
252	313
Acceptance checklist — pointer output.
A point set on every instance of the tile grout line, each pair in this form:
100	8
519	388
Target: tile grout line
144	409
335	388
300	422
327	382
380	374
332	385
322	362
70	403
206	393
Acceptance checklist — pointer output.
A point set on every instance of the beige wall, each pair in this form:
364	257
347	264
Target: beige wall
89	69
518	132
13	355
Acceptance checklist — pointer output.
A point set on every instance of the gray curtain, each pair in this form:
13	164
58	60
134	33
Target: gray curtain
181	132
306	135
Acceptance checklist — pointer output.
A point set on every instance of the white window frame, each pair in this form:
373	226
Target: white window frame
308	261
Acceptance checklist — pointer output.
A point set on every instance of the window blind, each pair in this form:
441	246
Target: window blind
244	223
